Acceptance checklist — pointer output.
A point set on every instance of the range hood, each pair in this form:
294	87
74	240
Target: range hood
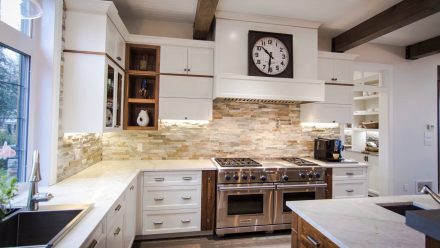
268	89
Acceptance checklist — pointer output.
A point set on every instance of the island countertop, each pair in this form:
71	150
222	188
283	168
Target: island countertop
360	222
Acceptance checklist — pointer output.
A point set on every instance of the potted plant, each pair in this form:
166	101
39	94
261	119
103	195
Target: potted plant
8	188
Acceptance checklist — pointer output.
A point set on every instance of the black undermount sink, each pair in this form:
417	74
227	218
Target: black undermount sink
400	208
42	228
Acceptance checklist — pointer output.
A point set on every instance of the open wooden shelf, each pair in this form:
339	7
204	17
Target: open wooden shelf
142	86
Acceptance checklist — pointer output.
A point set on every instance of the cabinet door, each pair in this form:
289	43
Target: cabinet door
120	50
325	69
114	86
174	59
130	214
111	37
119	98
115	238
373	174
185	87
185	109
325	113
200	61
343	71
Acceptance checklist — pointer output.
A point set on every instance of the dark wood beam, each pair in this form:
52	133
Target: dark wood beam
204	16
423	48
395	17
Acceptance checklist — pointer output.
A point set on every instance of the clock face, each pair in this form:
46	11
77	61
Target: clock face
270	55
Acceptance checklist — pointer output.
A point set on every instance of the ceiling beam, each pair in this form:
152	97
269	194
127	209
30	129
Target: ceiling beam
423	48
204	16
395	17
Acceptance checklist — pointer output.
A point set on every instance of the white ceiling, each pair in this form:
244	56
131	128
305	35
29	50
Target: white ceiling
336	16
162	10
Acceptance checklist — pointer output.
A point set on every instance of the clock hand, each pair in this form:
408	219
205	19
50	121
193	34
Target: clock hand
270	54
270	62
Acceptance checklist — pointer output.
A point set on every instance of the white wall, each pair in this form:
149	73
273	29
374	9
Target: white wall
414	106
160	28
231	47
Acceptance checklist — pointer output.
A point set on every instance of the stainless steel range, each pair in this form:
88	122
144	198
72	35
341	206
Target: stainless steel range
252	193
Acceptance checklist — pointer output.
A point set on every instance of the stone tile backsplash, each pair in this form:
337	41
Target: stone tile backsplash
237	130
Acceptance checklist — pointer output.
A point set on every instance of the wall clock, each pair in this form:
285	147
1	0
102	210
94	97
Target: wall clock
270	54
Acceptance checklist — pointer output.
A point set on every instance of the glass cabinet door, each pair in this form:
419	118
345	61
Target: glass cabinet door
110	83
119	101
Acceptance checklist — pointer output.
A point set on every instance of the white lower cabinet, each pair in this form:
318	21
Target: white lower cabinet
130	214
171	202
98	238
350	182
115	234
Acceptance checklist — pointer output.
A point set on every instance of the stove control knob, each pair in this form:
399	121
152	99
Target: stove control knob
285	178
227	177
302	175
253	177
236	177
317	175
263	178
310	175
244	177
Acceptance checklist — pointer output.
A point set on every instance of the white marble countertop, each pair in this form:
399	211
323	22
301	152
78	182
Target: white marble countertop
337	165
101	185
360	222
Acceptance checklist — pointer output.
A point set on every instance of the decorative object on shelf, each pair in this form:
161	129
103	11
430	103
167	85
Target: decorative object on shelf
370	124
143	119
143	63
109	118
143	90
270	54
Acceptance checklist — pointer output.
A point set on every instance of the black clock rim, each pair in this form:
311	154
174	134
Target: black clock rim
287	39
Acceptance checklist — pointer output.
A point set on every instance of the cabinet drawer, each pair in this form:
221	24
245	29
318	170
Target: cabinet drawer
185	109
310	237
172	178
171	221
116	211
350	173
115	236
185	87
97	238
349	188
171	197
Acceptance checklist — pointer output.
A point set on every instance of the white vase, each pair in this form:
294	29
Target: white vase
143	119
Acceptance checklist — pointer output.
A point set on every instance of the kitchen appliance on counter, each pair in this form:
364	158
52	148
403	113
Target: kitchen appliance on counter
329	150
252	193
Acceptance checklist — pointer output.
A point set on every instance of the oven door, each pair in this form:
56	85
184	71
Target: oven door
295	192
244	205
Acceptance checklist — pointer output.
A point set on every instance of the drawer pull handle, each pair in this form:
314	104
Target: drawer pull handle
186	197
157	222
313	241
118	208
349	173
159	179
118	230
119	58
93	244
349	190
132	187
187	178
159	198
185	221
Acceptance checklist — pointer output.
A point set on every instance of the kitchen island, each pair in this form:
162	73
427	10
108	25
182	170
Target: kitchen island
357	222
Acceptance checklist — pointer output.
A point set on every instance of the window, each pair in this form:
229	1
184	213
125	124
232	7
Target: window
11	13
14	86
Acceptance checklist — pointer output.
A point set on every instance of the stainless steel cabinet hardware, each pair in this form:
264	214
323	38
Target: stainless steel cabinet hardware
349	190
132	187
313	241
157	222
93	244
118	207
119	58
299	186
349	173
187	178
160	198
189	69
186	197
118	230
159	179
185	221
185	69
221	188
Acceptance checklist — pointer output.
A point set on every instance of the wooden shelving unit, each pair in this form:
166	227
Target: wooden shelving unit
141	85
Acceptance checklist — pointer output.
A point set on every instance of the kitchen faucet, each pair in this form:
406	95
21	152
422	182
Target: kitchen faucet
427	190
34	197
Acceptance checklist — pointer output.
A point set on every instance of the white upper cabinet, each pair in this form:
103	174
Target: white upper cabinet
338	94
200	61
115	44
184	60
325	113
336	67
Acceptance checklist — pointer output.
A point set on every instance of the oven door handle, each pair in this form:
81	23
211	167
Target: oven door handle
302	186
264	187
